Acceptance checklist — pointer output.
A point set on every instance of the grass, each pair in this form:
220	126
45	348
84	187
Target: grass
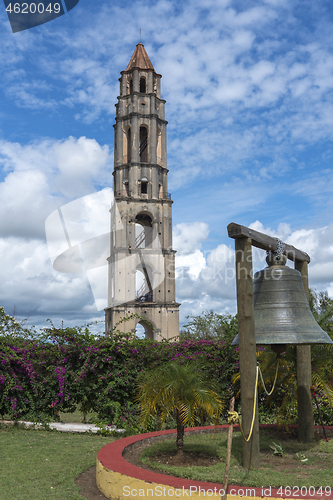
76	417
68	418
275	471
43	464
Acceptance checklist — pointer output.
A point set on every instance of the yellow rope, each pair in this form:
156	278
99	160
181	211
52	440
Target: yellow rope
234	417
276	374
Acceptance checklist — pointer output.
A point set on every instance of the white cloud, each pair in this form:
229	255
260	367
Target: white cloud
188	237
223	66
214	286
29	95
23	203
205	303
191	263
282	232
39	177
316	242
217	279
316	185
33	288
79	163
206	279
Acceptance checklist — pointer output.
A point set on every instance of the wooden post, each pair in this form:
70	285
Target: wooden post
304	375
247	350
228	457
244	237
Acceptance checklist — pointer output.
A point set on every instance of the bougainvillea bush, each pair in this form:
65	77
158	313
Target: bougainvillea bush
44	372
61	369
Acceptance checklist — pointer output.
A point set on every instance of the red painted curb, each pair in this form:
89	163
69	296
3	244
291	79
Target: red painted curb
111	457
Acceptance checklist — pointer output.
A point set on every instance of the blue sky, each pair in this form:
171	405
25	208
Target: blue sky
249	88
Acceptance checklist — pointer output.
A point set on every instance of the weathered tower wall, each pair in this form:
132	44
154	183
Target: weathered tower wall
142	261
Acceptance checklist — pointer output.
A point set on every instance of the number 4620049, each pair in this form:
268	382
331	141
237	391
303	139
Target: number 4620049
33	8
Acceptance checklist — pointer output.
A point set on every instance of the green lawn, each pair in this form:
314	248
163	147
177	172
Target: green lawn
38	465
76	417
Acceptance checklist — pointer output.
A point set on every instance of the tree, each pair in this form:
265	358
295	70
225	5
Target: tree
321	306
181	390
210	326
322	355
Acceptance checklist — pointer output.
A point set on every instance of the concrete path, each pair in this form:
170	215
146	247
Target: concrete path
62	427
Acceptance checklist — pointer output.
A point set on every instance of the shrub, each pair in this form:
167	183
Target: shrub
60	369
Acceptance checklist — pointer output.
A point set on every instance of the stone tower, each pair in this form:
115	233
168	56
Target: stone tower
141	272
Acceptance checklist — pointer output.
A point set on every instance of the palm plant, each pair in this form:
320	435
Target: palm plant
181	390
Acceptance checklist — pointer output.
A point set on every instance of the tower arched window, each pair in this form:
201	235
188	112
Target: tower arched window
125	188
144	330
159	146
143	149
142	85
131	86
129	144
144	185
160	190
143	231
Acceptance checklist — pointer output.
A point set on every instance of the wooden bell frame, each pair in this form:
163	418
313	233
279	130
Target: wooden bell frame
245	238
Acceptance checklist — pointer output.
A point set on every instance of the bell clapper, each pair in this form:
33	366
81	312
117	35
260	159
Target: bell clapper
279	348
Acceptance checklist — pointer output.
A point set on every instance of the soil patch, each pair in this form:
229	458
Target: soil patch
87	482
187	459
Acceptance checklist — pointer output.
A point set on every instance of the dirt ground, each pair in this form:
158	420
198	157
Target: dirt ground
87	481
183	460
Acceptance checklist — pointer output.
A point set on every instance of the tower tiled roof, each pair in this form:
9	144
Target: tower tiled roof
140	59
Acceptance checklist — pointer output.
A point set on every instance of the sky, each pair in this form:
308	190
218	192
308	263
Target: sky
249	102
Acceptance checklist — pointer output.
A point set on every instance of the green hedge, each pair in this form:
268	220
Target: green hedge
66	368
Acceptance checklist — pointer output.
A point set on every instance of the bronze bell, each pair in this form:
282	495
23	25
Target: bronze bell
282	313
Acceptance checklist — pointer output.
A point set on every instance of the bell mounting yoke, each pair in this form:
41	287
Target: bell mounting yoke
282	314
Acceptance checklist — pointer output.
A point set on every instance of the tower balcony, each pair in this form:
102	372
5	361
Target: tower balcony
127	195
148	297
